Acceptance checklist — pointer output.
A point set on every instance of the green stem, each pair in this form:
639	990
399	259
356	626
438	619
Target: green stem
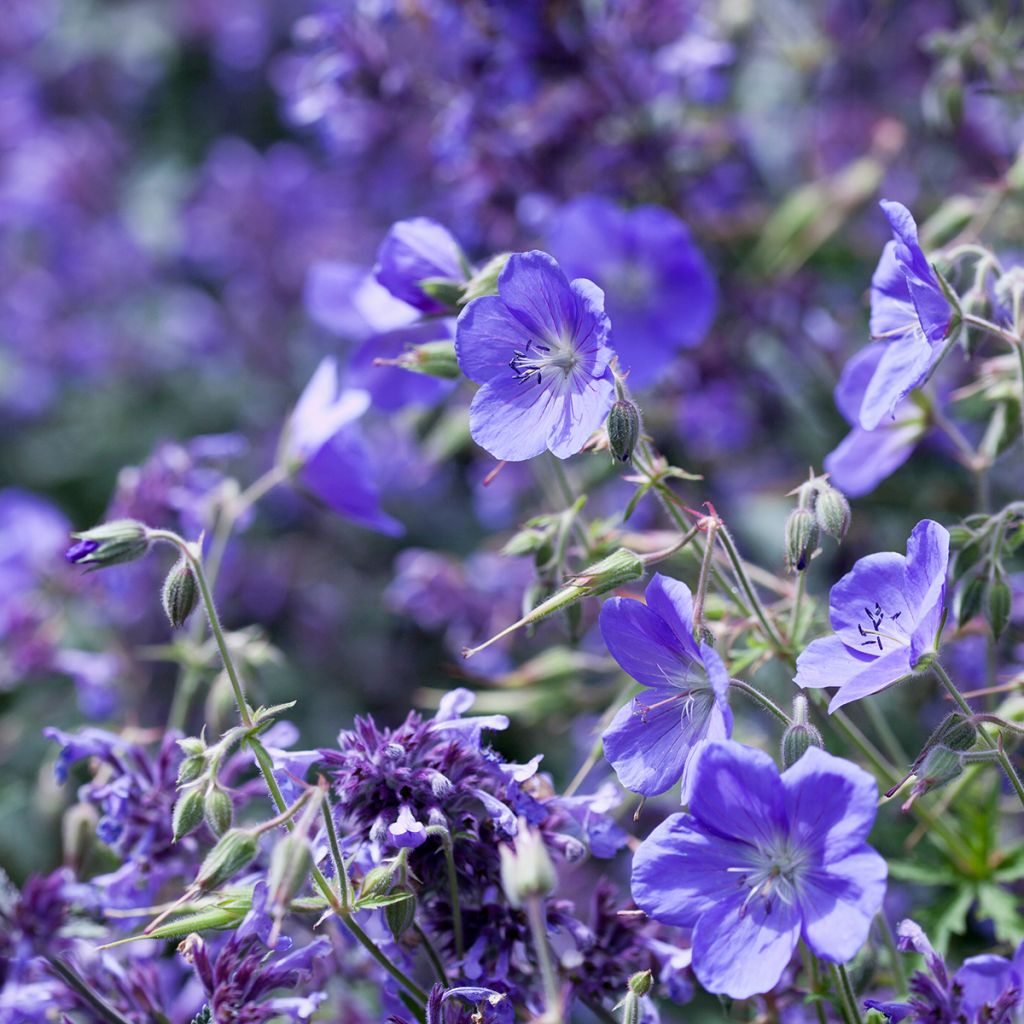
539	930
453	892
766	702
702	581
1001	756
570	499
340	869
892	745
1020	359
986	325
748	588
811	966
432	955
899	974
794	612
847	1001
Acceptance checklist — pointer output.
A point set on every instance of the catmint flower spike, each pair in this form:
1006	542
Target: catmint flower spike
180	593
620	567
122	540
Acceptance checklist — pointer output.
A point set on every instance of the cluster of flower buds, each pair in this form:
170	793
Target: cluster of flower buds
821	508
202	797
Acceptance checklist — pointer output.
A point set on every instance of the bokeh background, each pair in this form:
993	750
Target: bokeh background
192	193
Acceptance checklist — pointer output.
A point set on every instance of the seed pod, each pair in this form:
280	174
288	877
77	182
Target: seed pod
218	810
234	850
188	813
400	915
180	593
623	429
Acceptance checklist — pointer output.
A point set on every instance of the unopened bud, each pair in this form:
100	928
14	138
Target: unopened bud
377	881
641	982
78	831
190	769
1000	599
192	746
832	511
623	429
180	594
941	765
401	914
955	732
188	813
797	740
801	539
235	850
122	540
526	868
290	865
431	358
218	810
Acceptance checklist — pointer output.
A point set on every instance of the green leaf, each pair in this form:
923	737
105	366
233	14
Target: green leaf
953	919
922	874
215	917
373	902
999	906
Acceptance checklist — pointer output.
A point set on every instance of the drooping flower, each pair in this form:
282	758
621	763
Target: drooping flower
909	312
658	288
864	458
539	348
417	251
763	860
887	613
654	739
328	456
987	989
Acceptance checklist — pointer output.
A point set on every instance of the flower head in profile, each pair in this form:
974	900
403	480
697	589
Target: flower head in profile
659	290
887	613
329	458
415	253
763	860
986	990
909	312
653	741
864	458
539	348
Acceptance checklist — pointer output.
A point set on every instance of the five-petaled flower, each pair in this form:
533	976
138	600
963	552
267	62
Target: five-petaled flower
763	860
887	613
539	348
909	312
654	739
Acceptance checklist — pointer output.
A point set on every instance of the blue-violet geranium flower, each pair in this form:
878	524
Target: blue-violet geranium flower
763	860
539	348
887	613
654	739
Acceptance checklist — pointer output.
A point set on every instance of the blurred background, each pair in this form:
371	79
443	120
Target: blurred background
192	193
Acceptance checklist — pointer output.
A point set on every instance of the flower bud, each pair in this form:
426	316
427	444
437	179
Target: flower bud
797	740
235	850
192	746
122	540
526	868
801	539
188	813
832	511
218	810
377	881
485	280
431	358
78	831
401	914
191	769
955	732
640	983
623	429
290	865
999	601
180	593
941	765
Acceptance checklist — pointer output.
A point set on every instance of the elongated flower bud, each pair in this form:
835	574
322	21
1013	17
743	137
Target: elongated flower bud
801	539
400	915
526	868
218	810
623	429
797	740
290	865
180	593
188	813
832	511
122	540
234	850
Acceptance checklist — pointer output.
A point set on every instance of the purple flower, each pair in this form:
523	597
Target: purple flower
654	739
415	251
539	348
909	312
659	291
986	990
330	459
763	860
887	613
864	458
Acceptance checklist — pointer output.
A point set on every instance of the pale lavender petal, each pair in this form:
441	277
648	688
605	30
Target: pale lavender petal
644	644
672	600
487	335
877	675
926	566
537	292
876	580
741	951
582	412
902	368
864	458
512	420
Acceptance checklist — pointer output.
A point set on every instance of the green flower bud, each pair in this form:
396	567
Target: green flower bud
797	740
431	358
954	732
218	810
446	290
122	540
235	850
377	881
192	746
641	982
180	593
290	865
78	832
188	813
526	868
400	915
941	766
485	280
801	539
999	601
623	429
832	511
190	769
